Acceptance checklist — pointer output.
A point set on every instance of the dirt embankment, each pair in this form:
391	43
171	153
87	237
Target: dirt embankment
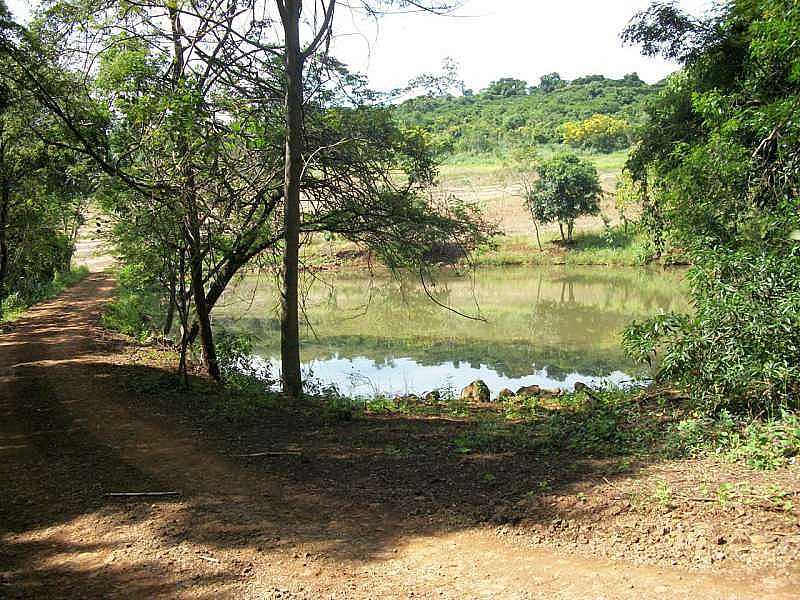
285	508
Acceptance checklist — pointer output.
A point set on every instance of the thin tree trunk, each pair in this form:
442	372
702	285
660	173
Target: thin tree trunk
290	324
201	307
183	314
538	239
570	226
561	228
170	317
655	218
4	205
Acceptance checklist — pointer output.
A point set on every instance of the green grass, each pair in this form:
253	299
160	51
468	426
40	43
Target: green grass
494	164
612	247
16	306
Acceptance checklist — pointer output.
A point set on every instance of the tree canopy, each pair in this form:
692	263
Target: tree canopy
509	114
720	158
567	188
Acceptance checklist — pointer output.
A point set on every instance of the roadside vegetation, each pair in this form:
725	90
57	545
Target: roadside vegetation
732	359
261	155
16	303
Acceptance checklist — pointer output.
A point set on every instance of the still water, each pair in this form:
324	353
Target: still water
546	326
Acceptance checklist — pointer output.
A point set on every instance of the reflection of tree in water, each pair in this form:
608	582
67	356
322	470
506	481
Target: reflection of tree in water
567	320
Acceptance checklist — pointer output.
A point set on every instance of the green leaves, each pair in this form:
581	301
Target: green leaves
722	157
567	188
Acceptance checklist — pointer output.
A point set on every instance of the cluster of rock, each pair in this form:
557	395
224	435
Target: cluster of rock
478	392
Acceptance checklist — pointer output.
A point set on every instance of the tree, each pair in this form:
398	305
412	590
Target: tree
436	85
551	82
43	192
187	115
506	87
294	59
599	132
722	145
567	188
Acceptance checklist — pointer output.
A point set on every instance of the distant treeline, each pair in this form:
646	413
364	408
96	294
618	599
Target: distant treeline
592	112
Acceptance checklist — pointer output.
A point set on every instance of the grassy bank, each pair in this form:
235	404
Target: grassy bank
600	247
16	305
656	423
613	247
489	182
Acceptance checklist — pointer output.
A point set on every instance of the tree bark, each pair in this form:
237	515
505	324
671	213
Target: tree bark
201	306
290	324
4	205
570	227
538	239
173	300
561	229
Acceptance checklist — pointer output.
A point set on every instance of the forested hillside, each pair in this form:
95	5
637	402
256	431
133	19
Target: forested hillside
509	113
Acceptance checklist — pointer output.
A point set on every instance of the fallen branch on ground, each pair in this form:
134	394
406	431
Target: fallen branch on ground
135	494
254	454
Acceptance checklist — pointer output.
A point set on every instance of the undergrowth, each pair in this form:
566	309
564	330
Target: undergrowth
16	304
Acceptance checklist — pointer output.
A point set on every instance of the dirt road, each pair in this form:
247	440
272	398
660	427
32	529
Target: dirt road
73	429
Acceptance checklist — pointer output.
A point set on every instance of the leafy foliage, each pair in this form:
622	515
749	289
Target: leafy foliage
721	156
507	115
766	444
567	188
43	196
741	347
599	132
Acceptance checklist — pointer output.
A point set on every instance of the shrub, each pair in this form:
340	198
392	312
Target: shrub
741	349
137	304
599	132
239	370
761	444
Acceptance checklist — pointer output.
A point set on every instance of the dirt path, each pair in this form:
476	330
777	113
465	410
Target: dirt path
71	431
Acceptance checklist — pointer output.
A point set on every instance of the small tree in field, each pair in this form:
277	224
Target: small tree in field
567	188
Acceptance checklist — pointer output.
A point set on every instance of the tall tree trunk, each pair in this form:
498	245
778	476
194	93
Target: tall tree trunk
561	229
201	306
570	227
290	324
5	201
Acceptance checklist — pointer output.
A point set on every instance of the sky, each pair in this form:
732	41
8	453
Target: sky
490	39
501	38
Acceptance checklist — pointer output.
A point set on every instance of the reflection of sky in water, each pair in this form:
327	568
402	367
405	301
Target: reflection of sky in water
364	376
549	327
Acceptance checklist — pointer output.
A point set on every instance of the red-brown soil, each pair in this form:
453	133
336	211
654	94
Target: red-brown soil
380	507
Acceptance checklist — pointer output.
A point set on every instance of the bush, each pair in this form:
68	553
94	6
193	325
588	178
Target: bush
137	305
761	444
16	302
239	370
740	351
603	133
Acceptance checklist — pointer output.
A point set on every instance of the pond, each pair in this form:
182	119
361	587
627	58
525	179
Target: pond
548	326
